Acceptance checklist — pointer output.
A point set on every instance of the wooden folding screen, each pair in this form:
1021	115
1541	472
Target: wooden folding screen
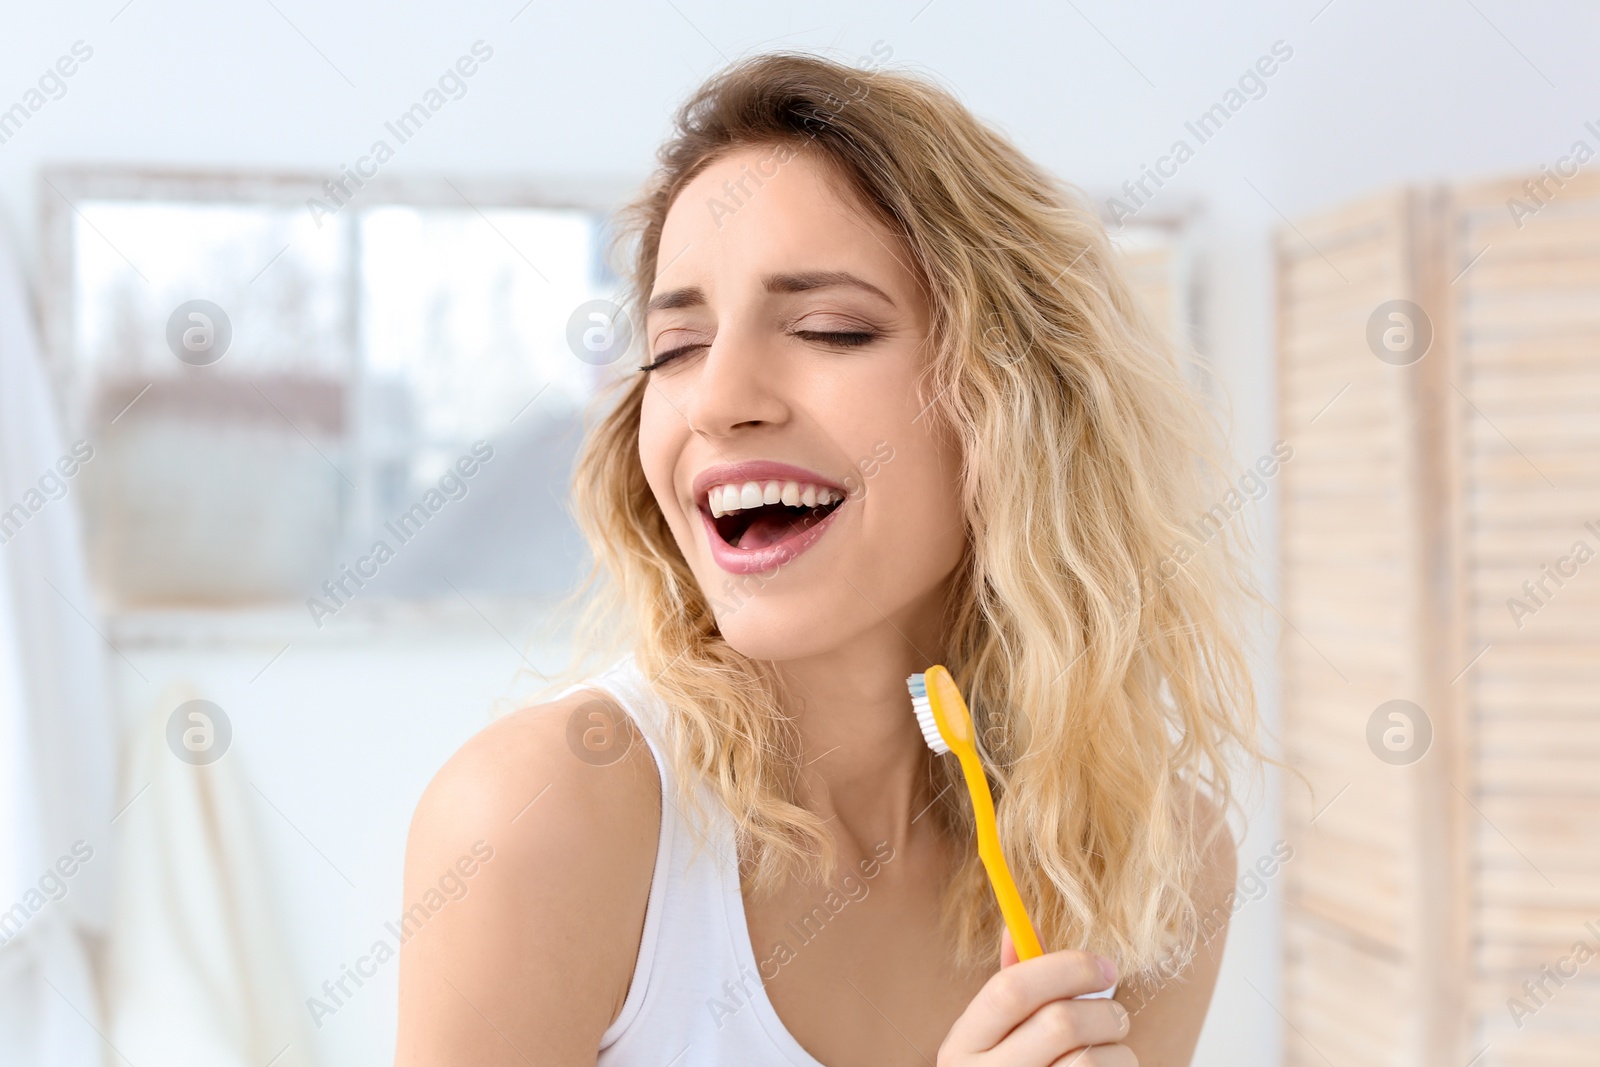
1439	516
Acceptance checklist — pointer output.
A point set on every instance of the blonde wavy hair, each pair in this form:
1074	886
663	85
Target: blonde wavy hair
1108	683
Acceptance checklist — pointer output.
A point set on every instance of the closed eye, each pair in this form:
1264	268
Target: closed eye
847	339
669	355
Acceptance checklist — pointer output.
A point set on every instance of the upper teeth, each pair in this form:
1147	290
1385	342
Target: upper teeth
734	496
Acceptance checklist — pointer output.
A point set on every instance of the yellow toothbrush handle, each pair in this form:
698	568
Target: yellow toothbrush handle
994	860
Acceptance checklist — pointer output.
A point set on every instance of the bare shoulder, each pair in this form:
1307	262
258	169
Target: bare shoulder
579	754
1167	1013
556	811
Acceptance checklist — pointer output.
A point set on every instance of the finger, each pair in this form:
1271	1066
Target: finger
1061	1027
1099	1056
1016	992
1008	948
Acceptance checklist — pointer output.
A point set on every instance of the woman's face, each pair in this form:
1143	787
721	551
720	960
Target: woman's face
782	431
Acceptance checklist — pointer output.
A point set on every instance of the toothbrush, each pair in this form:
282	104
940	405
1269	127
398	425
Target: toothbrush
947	727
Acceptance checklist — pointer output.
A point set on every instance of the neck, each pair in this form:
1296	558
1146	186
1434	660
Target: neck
863	760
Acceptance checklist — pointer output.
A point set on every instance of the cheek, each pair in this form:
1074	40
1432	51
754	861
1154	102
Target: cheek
913	503
661	438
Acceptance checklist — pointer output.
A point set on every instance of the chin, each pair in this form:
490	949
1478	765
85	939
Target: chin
787	618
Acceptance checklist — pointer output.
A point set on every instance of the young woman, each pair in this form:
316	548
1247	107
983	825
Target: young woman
898	407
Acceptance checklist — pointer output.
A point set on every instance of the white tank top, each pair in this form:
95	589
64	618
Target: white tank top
696	999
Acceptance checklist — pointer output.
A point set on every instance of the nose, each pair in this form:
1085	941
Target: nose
736	388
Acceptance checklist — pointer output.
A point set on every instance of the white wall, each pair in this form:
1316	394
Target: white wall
1375	93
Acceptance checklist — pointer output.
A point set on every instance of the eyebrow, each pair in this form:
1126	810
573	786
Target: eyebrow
805	281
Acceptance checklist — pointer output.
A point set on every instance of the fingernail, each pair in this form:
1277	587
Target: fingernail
1108	970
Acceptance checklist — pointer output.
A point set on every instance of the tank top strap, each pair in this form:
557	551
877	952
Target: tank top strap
631	692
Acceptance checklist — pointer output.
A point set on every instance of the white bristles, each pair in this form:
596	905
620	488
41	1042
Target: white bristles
924	709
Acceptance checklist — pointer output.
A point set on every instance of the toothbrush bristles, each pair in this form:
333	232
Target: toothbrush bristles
924	709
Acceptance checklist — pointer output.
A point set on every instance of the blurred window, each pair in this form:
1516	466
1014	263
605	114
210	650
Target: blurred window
397	372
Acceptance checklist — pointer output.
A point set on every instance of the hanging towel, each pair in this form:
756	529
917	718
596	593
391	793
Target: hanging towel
197	974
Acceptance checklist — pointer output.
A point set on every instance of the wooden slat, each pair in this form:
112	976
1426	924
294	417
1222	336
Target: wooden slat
1529	358
1347	594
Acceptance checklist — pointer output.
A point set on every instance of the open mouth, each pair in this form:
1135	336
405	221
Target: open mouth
754	515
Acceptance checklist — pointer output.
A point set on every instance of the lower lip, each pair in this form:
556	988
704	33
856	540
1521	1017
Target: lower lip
758	560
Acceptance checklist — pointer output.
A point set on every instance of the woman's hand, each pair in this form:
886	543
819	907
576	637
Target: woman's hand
1025	1016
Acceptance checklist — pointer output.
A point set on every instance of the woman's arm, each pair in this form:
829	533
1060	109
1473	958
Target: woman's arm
1165	1018
528	957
